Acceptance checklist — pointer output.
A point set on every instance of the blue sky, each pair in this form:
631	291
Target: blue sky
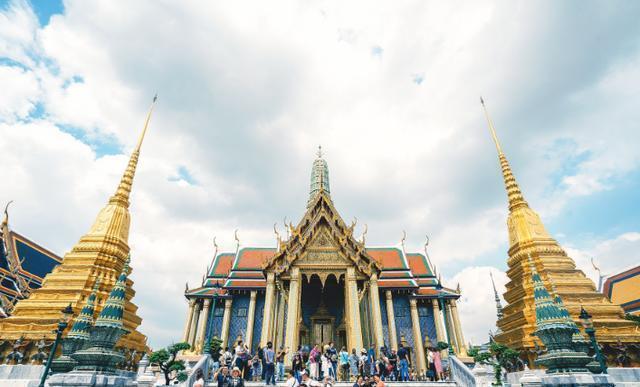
391	93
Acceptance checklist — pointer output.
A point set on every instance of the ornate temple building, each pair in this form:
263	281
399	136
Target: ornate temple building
624	288
321	284
529	238
99	256
23	266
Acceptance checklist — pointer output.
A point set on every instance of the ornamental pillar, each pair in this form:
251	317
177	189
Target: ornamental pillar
462	347
267	322
293	308
202	325
374	297
354	328
226	321
437	319
391	322
278	334
194	324
187	325
251	315
453	343
417	337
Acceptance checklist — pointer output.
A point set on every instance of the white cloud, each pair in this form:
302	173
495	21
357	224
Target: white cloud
245	98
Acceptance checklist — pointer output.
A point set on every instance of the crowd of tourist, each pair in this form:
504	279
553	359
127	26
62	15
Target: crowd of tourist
322	365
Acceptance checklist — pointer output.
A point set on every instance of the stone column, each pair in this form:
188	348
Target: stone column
267	322
292	333
391	322
226	322
374	296
354	329
462	347
450	329
202	325
251	316
194	326
437	320
187	325
418	342
278	334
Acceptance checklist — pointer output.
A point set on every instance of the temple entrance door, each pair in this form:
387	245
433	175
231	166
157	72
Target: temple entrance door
323	331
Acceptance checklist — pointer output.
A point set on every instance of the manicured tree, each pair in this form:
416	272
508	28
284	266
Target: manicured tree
166	360
214	347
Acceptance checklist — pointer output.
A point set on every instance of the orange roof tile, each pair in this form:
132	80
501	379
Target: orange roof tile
252	258
418	264
389	257
222	265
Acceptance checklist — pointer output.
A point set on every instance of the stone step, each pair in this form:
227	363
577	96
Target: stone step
350	384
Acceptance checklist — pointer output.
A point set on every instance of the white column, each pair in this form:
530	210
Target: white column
293	308
417	337
462	347
391	322
226	321
355	328
251	313
374	297
194	325
202	325
267	322
187	325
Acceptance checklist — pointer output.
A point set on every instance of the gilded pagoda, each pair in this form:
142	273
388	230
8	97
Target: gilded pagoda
321	284
97	260
528	237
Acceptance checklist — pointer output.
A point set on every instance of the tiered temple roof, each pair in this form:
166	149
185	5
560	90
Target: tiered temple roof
244	270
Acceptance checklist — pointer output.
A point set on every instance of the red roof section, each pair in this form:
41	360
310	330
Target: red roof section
252	258
419	265
389	257
222	265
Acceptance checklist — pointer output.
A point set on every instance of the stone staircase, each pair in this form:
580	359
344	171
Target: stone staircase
347	384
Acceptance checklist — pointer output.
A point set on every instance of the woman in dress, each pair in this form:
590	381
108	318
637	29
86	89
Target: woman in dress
354	360
437	364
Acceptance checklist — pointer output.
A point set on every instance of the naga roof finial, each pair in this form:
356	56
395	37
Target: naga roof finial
235	236
5	221
364	234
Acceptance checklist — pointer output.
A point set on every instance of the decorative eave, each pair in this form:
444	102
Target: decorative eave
322	210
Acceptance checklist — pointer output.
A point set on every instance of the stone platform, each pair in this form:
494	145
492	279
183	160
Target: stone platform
350	384
89	379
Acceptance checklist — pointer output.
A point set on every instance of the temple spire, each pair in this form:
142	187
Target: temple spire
516	199
121	195
497	298
319	177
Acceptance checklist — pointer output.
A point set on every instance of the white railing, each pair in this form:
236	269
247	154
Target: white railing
460	373
204	363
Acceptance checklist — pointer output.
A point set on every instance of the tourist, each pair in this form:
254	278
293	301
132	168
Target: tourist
378	381
393	365
307	381
314	362
371	354
255	367
236	378
333	352
280	362
343	358
403	359
437	364
297	366
199	379
227	357
354	361
325	361
292	381
269	364
431	370
363	364
222	376
261	357
359	381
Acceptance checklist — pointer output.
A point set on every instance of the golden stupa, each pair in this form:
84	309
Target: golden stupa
99	255
528	236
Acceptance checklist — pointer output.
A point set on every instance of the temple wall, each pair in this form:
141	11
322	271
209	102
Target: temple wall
427	323
239	312
215	323
403	319
385	320
257	322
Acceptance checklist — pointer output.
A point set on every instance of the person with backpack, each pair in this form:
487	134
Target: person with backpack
268	360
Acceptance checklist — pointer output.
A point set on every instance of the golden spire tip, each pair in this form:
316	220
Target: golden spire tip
491	127
146	123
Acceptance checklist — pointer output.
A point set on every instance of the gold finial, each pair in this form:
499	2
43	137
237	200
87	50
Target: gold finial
5	221
491	127
121	196
364	234
215	254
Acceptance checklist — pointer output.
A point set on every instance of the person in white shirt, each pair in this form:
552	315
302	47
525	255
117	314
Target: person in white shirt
292	381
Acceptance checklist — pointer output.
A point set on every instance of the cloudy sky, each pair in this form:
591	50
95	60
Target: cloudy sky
248	90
